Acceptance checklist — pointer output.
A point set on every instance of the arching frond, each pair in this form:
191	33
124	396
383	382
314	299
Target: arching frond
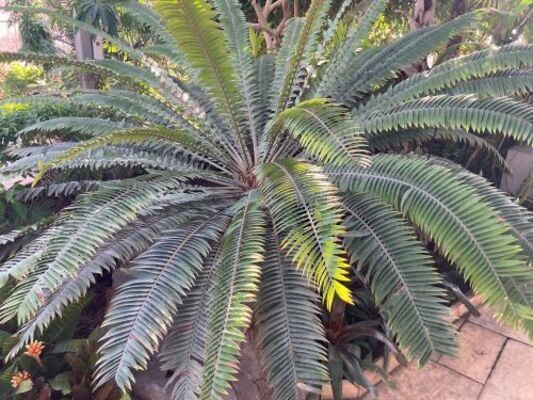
283	60
323	130
508	83
193	25
307	212
303	50
145	15
63	189
184	348
83	125
235	289
462	224
493	115
289	329
384	140
95	218
342	58
144	306
133	240
238	43
375	66
264	66
139	135
450	73
401	276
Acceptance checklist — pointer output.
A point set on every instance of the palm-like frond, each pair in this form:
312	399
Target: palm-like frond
323	130
304	48
144	306
493	115
184	349
443	208
307	212
400	274
375	66
231	194
236	285
453	72
197	33
287	317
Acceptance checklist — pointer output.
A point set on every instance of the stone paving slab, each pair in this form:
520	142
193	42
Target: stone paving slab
494	363
512	377
487	321
478	350
433	382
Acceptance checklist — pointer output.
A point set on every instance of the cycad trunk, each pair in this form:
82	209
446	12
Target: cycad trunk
252	382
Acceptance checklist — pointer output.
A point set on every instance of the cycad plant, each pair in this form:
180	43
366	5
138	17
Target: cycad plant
254	191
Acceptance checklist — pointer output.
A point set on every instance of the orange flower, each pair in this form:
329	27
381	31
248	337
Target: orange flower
35	349
19	377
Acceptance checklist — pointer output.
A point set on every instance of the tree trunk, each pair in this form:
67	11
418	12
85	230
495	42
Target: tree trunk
453	48
88	48
251	381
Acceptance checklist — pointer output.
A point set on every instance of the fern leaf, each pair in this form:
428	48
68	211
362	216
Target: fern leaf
288	326
235	288
375	66
323	131
463	225
450	73
143	307
307	212
401	276
493	115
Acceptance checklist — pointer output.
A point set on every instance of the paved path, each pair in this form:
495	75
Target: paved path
494	363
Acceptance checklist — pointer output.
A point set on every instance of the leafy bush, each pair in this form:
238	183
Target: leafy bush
254	186
19	78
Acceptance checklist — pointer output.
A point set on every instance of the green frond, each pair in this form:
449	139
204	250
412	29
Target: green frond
307	212
385	140
143	307
132	103
193	25
264	66
24	262
88	126
94	218
26	267
374	67
324	131
341	59
57	190
234	290
282	62
133	240
466	229
289	330
401	276
184	348
507	83
132	136
517	217
450	73
145	15
498	115
301	54
235	28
